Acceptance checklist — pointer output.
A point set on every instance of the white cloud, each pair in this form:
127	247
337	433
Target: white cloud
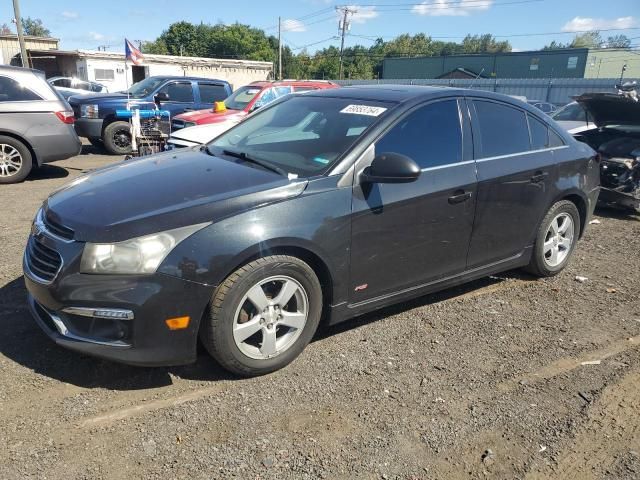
70	15
362	14
292	25
96	36
441	8
579	24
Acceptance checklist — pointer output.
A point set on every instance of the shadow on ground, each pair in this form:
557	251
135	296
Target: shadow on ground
23	342
47	171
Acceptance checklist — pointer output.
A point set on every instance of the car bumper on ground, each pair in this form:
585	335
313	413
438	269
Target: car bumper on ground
118	317
89	127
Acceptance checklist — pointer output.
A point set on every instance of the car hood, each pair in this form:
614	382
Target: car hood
162	192
203	133
610	108
209	116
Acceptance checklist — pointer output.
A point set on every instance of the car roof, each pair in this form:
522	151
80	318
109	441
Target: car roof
179	77
388	93
268	83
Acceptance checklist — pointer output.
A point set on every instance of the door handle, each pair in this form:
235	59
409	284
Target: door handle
459	197
539	177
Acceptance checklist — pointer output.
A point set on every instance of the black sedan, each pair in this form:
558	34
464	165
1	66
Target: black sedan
323	205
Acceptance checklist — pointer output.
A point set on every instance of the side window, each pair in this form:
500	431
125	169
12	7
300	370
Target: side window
62	82
212	92
12	91
503	129
179	92
431	135
539	133
555	140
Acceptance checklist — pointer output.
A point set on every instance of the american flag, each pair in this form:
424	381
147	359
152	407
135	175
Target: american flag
132	53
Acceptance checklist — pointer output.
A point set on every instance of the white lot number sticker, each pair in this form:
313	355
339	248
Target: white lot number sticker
363	110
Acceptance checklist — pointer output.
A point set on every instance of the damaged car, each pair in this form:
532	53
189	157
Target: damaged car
617	139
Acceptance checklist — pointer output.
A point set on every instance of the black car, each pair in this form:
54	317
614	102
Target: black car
326	204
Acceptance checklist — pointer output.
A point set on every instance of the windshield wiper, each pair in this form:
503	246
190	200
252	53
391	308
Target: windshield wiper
256	161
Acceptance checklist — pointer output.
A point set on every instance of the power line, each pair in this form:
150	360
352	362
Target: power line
454	5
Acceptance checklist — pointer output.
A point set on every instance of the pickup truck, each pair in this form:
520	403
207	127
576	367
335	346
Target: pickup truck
95	115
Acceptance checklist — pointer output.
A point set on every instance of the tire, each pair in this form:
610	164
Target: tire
555	240
247	351
117	138
15	160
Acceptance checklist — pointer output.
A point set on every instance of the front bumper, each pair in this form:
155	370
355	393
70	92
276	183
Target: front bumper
619	199
143	340
89	127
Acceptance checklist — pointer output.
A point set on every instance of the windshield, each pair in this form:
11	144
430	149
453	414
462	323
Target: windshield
302	135
144	87
239	99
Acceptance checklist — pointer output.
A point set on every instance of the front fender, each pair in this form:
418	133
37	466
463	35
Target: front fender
318	221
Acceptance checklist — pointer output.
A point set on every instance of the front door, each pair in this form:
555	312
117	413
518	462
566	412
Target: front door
180	95
406	235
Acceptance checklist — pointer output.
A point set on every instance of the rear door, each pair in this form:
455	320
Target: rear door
181	97
516	173
209	93
404	235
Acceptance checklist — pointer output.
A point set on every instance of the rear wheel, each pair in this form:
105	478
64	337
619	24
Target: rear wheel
15	160
556	240
263	315
117	138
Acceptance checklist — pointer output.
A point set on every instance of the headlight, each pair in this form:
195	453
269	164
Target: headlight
138	255
89	111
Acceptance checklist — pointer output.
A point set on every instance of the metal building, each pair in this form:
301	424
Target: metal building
562	63
10	47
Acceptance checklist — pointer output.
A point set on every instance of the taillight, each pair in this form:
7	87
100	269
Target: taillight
66	116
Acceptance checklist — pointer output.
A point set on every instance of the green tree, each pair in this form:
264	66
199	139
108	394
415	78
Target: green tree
34	26
587	40
618	41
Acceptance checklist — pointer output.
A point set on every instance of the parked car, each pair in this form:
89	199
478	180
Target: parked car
199	134
573	118
248	242
68	86
36	124
544	107
247	99
616	137
96	114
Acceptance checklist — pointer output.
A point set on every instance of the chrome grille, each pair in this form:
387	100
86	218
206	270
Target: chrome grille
42	261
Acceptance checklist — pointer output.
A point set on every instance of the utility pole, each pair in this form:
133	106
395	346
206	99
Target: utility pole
18	20
279	48
344	26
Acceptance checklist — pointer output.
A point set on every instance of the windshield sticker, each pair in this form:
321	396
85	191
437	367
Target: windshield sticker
364	110
321	160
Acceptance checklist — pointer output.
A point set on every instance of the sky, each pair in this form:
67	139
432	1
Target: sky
313	24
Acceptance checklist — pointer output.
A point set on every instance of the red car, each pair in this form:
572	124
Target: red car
246	99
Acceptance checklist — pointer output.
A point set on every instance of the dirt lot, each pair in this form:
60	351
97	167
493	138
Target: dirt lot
486	381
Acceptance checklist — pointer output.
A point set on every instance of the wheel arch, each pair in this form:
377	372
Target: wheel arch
581	202
304	252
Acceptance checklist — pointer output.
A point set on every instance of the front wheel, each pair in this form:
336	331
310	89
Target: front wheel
556	240
117	138
263	315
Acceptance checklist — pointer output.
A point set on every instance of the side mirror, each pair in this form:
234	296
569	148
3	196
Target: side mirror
161	97
391	168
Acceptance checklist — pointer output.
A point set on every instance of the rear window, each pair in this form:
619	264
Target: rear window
12	91
503	129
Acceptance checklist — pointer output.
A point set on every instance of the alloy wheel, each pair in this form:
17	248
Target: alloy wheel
122	138
271	317
10	160
558	240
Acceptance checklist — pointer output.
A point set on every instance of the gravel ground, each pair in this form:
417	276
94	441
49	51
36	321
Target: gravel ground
485	381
